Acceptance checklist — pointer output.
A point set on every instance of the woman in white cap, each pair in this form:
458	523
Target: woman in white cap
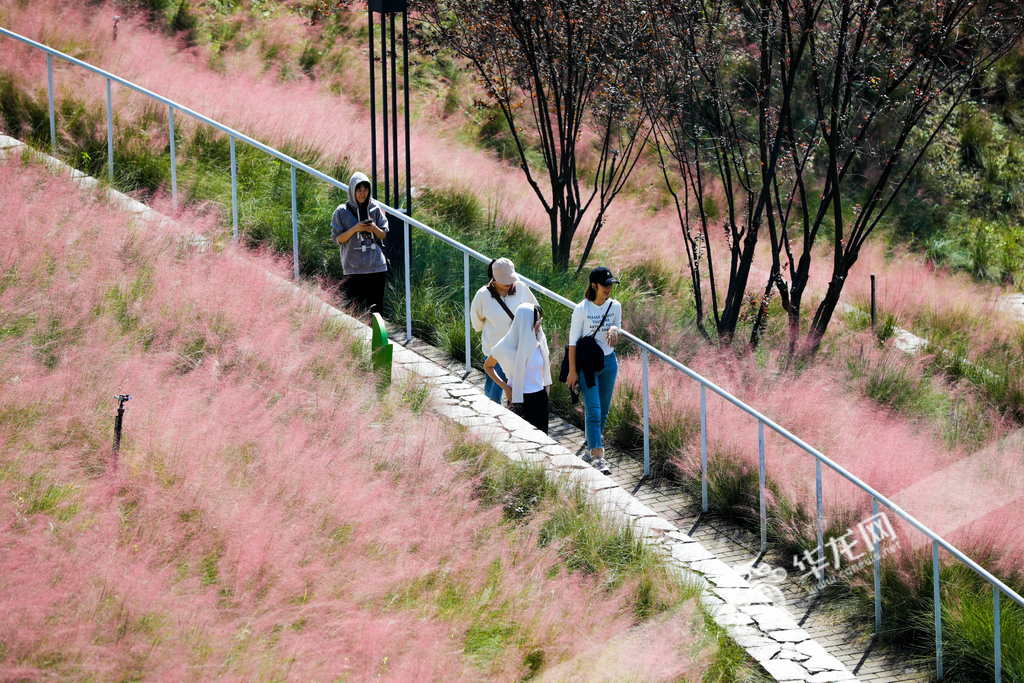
598	317
524	353
492	311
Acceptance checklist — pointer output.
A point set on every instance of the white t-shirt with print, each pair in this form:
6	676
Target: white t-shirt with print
587	315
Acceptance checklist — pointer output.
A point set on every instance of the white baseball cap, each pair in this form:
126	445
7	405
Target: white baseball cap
504	271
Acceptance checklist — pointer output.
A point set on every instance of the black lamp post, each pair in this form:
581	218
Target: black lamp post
394	246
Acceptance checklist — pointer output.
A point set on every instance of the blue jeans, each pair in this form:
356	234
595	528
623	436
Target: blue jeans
492	388
597	399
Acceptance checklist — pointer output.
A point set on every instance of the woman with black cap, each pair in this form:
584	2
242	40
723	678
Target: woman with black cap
598	318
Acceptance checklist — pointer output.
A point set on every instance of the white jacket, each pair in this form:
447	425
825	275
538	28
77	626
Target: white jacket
513	351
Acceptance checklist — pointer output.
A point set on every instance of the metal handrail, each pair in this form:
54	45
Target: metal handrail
999	588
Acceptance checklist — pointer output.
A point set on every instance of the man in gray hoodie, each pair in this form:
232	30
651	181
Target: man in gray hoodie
358	227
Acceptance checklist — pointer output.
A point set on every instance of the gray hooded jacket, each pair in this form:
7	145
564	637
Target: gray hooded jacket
361	254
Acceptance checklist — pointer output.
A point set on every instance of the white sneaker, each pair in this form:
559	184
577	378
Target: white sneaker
601	465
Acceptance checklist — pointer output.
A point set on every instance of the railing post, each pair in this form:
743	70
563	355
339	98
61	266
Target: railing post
407	233
110	134
647	418
295	227
937	597
234	191
703	449
876	532
53	120
821	525
761	487
174	164
998	636
465	301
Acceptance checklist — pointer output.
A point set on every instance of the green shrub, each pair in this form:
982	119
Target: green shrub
520	489
23	116
901	388
886	328
975	138
671	431
309	58
908	616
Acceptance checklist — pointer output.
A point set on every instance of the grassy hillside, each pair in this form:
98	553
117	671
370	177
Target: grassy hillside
892	422
262	520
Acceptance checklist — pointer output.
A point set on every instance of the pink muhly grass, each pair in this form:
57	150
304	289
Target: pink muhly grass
910	288
295	112
888	453
265	517
242	93
298	112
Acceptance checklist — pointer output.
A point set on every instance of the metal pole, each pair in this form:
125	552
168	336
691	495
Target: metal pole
118	421
998	636
761	483
703	449
117	426
821	526
110	134
408	287
295	228
394	112
878	567
174	165
405	87
937	597
872	302
53	121
373	114
234	191
647	420
384	104
465	300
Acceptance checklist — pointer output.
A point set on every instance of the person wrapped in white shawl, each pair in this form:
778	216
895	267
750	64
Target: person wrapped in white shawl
523	353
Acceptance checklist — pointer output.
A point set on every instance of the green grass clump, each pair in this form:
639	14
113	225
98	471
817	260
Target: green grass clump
968	639
590	545
671	431
903	389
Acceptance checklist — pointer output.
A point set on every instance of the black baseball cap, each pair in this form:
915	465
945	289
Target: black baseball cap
602	276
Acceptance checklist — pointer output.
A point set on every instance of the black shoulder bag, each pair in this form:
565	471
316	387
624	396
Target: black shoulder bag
563	373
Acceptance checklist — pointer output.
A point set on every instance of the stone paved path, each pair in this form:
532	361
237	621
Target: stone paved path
735	547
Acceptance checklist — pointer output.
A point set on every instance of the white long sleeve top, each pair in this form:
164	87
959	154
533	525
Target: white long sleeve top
490	320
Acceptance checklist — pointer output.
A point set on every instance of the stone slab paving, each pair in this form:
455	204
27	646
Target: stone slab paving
788	633
739	548
790	646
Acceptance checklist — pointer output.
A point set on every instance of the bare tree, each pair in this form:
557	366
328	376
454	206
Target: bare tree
811	115
555	68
